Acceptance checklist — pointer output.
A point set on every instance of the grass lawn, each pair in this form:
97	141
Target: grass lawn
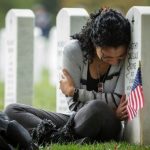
1	95
44	94
44	97
98	146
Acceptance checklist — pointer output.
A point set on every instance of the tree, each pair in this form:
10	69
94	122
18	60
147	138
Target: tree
92	5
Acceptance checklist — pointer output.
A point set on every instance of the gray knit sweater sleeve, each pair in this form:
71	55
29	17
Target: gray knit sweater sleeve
73	62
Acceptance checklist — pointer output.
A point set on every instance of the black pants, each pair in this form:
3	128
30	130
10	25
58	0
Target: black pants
95	119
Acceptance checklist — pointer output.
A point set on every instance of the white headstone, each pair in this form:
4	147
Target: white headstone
19	56
39	54
138	130
69	22
2	54
52	56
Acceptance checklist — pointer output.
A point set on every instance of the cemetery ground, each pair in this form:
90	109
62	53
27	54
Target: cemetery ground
44	98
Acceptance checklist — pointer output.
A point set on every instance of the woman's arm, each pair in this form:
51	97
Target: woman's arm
72	62
68	88
112	98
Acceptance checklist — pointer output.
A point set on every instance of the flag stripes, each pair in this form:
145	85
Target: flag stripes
136	97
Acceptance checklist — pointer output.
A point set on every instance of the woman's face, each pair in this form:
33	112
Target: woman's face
111	55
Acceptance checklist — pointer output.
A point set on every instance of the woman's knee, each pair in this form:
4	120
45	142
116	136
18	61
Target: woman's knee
92	109
89	118
93	118
97	107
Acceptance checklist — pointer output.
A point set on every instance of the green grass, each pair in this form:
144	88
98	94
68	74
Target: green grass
45	98
44	94
1	95
98	146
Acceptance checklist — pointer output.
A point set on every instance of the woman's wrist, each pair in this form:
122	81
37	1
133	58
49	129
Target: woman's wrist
71	91
76	95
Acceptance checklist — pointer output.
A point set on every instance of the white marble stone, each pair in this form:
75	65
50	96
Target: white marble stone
19	56
69	21
52	56
138	130
39	54
2	54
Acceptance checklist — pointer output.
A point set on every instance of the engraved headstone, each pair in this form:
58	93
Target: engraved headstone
138	130
2	54
69	22
19	56
39	54
52	56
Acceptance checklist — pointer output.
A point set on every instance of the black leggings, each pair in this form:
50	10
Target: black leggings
94	120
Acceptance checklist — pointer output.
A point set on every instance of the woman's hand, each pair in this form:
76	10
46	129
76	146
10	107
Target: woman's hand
66	83
121	111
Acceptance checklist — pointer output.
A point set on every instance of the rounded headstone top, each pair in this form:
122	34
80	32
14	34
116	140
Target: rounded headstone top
73	12
21	13
139	9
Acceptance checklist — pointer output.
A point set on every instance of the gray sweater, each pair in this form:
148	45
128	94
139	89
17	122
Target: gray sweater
73	61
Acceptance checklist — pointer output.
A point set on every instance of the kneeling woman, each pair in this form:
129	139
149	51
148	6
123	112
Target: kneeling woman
92	80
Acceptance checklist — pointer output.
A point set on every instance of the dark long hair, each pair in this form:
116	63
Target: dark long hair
107	27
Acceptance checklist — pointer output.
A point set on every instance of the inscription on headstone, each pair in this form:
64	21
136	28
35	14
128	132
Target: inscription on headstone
138	130
69	21
19	56
2	54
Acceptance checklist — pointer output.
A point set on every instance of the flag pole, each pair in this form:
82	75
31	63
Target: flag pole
139	64
140	115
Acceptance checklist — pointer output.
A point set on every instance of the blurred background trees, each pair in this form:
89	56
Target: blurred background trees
91	5
53	6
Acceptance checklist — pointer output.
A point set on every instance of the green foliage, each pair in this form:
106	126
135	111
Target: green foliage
1	95
6	5
92	5
52	7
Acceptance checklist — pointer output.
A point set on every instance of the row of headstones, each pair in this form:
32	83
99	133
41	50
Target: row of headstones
44	54
19	72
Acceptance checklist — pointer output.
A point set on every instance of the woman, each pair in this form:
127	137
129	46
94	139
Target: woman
93	74
92	81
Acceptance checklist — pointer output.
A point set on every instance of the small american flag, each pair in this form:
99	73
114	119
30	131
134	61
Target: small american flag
136	97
